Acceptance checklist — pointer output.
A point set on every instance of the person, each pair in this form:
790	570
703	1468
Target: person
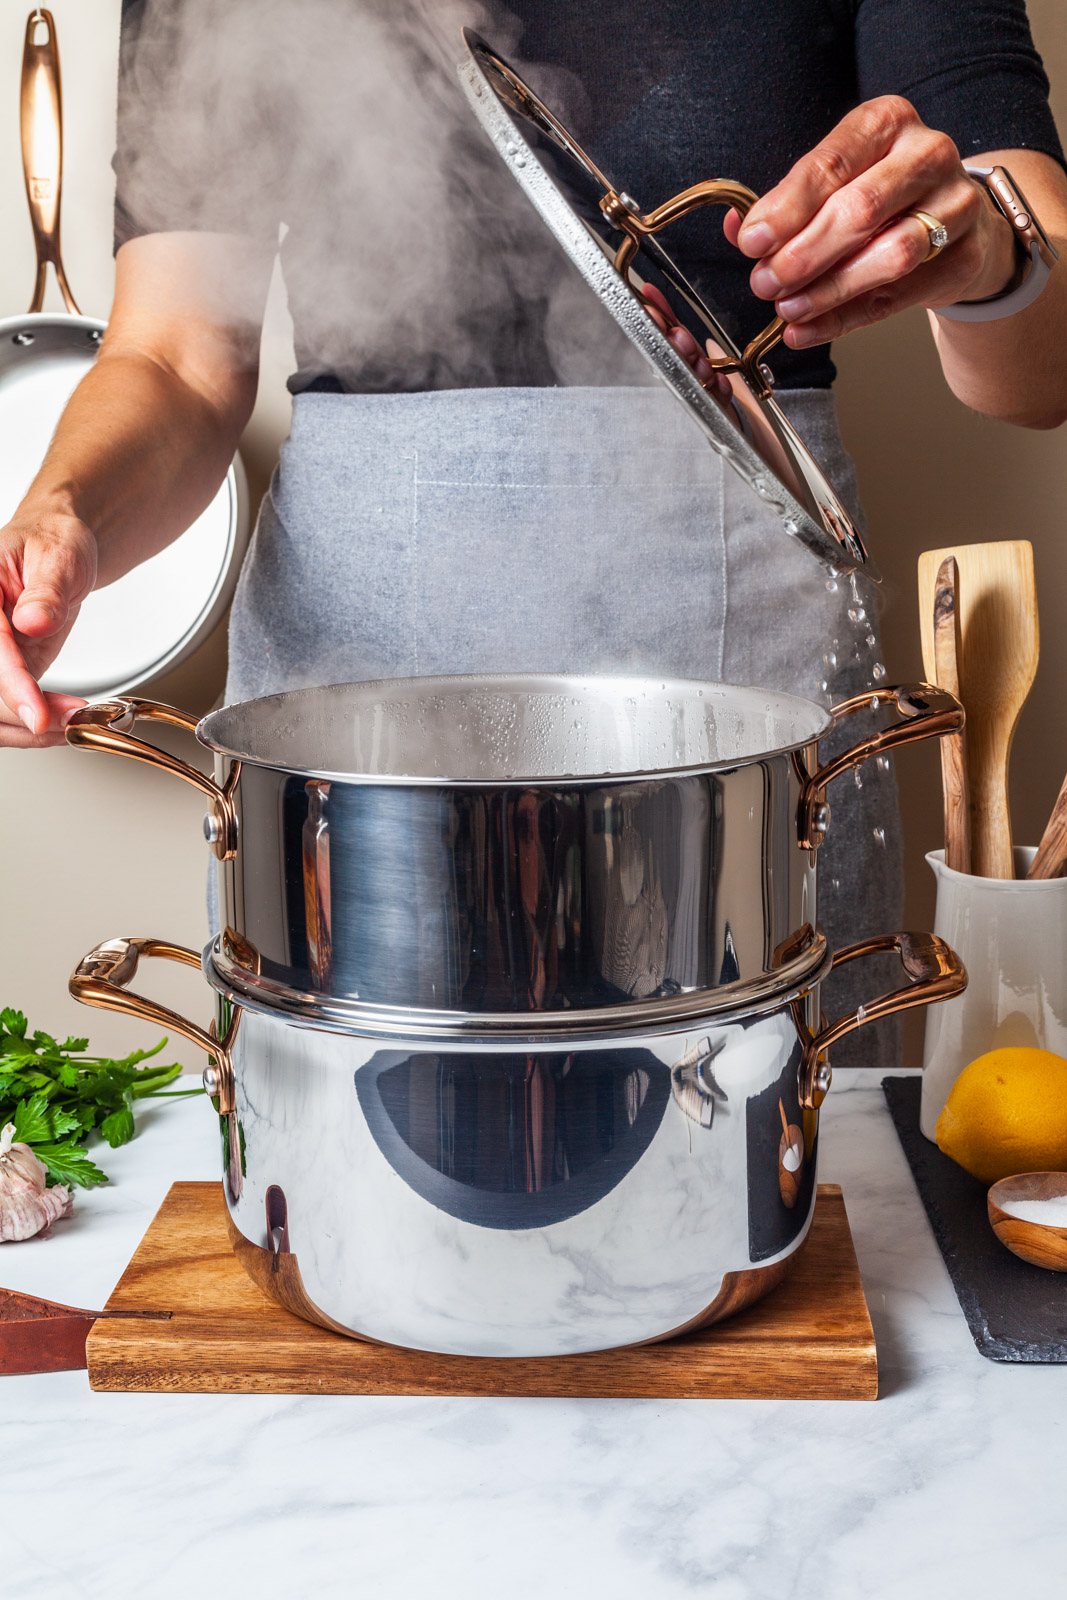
475	478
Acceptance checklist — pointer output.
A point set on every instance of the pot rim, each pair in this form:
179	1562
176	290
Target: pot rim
678	1014
550	683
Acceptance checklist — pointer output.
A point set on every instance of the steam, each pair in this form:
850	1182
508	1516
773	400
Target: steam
410	257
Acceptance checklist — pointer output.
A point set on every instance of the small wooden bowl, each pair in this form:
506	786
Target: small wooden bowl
1041	1243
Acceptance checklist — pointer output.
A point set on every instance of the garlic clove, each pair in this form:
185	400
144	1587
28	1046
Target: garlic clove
27	1206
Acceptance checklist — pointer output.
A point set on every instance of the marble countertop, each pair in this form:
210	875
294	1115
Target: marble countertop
952	1483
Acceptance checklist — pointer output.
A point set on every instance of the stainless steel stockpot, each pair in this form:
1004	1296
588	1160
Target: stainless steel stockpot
491	847
527	1195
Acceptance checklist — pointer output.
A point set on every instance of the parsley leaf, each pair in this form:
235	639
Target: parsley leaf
57	1095
13	1022
66	1163
118	1127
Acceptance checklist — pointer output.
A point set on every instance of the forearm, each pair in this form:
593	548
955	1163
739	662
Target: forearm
137	455
1014	369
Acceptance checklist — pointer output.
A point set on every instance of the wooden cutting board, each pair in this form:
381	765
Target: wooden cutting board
811	1339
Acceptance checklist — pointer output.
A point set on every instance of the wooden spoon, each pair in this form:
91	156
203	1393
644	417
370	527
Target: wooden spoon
998	625
946	670
1051	858
1044	1244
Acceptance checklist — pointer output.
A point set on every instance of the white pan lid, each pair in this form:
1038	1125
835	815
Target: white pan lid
592	217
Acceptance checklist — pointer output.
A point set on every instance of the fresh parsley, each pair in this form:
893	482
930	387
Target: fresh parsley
57	1096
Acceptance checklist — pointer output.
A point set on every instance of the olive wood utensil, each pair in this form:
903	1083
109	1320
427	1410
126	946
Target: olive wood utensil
1051	858
946	670
1043	1244
997	603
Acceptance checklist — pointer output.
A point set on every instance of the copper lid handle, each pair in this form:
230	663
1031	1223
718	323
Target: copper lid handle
622	213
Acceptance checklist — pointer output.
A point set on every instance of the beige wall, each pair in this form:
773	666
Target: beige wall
91	847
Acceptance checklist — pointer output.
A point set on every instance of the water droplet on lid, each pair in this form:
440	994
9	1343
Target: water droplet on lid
858	776
871	641
830	658
835	883
878	671
831	586
882	763
857	614
879	835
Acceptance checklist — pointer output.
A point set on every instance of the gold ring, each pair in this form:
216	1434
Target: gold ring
936	234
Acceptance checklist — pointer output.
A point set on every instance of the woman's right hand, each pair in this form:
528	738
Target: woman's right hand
47	567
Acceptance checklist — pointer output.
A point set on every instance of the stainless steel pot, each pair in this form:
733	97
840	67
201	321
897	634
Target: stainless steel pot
484	848
542	1194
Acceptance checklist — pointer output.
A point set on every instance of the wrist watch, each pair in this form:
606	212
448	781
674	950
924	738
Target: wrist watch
1035	254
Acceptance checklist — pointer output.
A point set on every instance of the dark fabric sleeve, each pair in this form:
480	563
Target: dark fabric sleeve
185	125
968	66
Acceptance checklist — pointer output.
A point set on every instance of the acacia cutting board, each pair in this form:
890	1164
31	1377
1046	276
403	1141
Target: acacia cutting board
810	1339
999	639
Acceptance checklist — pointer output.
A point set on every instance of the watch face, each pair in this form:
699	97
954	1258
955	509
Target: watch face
638	280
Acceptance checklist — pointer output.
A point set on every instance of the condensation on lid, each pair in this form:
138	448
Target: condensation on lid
512	729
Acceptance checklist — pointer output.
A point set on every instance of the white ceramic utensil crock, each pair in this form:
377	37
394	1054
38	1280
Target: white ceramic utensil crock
1012	937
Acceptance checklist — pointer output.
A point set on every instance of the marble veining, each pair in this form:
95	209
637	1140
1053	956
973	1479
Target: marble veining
950	1484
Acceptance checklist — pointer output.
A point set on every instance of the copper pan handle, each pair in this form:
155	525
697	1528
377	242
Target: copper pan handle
636	225
935	972
101	979
42	150
925	713
106	726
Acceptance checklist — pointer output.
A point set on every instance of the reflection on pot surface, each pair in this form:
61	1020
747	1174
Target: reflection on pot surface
513	1141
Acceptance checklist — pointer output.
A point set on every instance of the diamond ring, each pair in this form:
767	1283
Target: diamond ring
936	234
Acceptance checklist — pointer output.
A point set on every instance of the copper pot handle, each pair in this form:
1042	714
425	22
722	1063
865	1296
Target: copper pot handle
935	973
926	713
623	214
101	979
106	725
41	110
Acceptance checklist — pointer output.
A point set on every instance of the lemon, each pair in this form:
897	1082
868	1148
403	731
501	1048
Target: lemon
1007	1113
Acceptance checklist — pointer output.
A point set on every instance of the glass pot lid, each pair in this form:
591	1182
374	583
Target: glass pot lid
616	248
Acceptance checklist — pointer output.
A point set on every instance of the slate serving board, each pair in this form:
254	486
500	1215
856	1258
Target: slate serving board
1015	1312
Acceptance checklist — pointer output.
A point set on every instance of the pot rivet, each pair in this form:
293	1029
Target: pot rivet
823	1078
212	828
820	817
212	1081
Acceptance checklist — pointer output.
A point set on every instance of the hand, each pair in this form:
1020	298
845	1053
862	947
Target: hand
47	567
835	250
659	309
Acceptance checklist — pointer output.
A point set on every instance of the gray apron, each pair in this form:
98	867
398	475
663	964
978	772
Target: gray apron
567	530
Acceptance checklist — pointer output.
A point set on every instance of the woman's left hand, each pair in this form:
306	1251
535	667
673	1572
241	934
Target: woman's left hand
836	249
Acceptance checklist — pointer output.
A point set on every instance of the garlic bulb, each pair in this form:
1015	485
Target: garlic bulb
27	1207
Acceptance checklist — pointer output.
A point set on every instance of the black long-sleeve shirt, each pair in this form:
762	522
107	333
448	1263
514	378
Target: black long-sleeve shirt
411	260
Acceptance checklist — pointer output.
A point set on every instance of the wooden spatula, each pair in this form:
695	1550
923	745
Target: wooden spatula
999	635
946	671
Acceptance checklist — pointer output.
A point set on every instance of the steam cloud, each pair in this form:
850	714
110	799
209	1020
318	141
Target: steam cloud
410	257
